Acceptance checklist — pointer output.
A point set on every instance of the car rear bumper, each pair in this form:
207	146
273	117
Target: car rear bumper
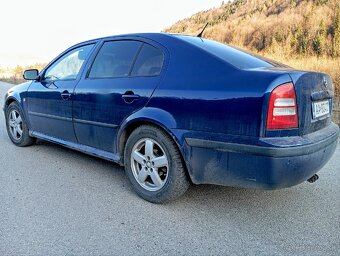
273	163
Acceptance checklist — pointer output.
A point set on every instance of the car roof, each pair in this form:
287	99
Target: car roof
152	35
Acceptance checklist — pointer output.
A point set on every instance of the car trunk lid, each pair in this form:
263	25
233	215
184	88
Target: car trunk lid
314	92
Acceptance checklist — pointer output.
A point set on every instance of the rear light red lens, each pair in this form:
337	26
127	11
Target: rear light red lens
282	108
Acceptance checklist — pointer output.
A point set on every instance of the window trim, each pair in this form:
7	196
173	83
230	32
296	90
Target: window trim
137	59
133	62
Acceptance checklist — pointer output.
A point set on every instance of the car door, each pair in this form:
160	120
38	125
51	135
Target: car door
49	98
120	81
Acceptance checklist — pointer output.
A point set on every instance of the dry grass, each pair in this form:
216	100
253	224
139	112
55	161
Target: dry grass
327	65
299	27
14	75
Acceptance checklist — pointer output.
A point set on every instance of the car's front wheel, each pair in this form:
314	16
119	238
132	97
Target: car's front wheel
154	165
16	126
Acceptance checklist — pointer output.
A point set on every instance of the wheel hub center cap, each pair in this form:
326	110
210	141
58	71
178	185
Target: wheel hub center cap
148	164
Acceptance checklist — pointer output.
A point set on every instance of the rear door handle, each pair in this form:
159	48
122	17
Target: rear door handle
129	96
65	95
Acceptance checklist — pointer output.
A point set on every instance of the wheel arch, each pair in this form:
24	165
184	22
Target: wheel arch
25	139
12	99
129	127
9	100
126	130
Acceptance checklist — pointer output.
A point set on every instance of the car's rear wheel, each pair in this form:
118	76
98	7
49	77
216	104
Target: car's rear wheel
16	126
154	165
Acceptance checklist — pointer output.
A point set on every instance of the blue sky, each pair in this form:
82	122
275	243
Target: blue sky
37	30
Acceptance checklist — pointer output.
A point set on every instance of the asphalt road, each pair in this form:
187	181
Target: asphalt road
55	201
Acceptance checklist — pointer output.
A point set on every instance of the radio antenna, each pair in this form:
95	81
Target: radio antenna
200	34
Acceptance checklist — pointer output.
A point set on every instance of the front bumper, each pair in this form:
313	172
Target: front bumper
274	163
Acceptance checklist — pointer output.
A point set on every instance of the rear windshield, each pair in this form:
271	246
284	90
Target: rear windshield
235	57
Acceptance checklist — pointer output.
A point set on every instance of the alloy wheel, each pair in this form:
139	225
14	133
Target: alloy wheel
15	124
149	164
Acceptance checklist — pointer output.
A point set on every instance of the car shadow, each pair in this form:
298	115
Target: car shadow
203	197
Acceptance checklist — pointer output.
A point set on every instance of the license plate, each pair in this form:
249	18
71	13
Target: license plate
320	108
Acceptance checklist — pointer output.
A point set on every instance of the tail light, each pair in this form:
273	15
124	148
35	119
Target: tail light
282	109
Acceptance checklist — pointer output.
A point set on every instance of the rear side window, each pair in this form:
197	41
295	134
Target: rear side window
149	62
115	59
236	57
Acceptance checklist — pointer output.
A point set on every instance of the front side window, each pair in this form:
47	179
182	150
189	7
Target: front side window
115	59
68	66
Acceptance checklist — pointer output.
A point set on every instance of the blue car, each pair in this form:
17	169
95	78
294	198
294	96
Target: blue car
176	110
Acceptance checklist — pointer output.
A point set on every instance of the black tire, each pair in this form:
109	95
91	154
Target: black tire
24	139
175	181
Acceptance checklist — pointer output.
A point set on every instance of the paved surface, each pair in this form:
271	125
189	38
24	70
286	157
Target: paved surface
54	201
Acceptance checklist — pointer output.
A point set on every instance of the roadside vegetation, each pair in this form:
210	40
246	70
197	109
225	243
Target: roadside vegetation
304	34
14	75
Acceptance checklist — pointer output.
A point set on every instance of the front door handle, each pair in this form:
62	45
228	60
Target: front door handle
130	97
65	95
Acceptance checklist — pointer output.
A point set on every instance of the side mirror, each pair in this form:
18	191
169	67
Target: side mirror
31	74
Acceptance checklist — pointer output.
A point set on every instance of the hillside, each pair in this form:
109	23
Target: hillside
301	33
